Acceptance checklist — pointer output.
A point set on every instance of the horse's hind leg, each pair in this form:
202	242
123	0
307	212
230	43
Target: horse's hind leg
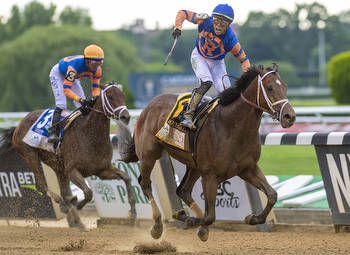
146	169
184	192
256	177
115	173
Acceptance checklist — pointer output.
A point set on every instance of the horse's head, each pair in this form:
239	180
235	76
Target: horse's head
113	102
269	94
272	96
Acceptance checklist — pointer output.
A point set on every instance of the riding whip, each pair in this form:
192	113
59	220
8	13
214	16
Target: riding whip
170	52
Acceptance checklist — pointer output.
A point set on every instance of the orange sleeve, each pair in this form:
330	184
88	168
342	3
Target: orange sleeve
239	53
95	88
69	93
181	16
68	82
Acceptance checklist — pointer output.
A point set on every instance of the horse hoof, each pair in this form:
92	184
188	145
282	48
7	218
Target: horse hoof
157	231
203	233
132	217
180	215
251	219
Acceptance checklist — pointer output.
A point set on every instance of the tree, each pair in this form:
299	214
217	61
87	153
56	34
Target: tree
78	17
14	25
36	14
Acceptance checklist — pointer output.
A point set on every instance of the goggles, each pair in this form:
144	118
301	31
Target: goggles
218	21
96	62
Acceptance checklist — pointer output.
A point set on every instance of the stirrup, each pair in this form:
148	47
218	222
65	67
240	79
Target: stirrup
188	123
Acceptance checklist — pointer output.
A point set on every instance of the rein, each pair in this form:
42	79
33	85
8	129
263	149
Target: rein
108	110
274	114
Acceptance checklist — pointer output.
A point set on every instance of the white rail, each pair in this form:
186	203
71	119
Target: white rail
323	114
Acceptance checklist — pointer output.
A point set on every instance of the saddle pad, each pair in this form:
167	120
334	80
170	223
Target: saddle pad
39	131
172	132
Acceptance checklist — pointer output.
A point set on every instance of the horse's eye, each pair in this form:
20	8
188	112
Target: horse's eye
269	88
110	97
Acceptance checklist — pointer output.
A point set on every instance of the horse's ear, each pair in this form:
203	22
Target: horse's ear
275	67
102	86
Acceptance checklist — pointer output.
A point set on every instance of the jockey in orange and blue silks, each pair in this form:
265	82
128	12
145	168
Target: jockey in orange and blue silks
214	41
65	81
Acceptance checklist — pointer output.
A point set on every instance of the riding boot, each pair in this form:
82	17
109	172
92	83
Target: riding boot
188	115
55	130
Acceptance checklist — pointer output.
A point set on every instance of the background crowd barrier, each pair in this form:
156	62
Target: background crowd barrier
333	154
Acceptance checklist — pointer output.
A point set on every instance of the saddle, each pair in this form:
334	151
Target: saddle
39	131
174	133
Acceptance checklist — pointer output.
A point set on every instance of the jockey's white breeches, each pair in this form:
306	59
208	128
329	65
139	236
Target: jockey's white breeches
210	70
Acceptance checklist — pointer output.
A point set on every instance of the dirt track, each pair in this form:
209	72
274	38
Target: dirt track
117	239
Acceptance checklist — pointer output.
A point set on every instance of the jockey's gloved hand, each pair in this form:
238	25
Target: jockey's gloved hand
84	110
84	103
176	33
92	101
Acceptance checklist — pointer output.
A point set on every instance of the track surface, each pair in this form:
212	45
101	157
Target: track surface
119	239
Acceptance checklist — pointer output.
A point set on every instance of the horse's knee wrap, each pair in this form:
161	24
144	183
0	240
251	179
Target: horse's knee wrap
204	87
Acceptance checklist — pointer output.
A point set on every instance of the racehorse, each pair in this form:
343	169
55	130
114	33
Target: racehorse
228	145
85	150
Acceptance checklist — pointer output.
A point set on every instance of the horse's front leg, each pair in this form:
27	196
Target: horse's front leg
114	173
210	185
69	201
79	180
184	192
256	177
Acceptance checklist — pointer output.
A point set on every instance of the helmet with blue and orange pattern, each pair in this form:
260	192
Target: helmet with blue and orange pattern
93	52
224	11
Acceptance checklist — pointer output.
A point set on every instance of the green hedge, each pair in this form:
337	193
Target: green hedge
339	77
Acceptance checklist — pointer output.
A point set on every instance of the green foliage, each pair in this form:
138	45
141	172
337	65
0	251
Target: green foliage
78	17
36	14
339	77
287	72
27	61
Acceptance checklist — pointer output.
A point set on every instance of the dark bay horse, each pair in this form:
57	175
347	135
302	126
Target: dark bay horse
228	145
86	150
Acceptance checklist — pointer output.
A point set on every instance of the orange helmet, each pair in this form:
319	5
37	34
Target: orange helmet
93	52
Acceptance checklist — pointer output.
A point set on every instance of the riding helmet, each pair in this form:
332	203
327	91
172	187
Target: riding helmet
93	52
225	11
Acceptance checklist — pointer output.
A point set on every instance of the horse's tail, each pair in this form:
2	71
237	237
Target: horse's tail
6	139
126	144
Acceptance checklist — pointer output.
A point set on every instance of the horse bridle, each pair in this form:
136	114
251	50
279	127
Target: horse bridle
274	114
108	110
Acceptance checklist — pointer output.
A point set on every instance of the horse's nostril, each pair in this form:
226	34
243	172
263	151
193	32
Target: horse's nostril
286	116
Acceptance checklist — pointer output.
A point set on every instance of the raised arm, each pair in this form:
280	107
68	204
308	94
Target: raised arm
239	53
195	18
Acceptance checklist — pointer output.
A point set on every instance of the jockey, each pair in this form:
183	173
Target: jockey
214	41
65	81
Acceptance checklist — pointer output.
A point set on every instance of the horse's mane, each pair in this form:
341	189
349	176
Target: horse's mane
232	93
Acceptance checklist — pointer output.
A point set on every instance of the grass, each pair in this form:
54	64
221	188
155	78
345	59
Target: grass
313	102
289	160
293	159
